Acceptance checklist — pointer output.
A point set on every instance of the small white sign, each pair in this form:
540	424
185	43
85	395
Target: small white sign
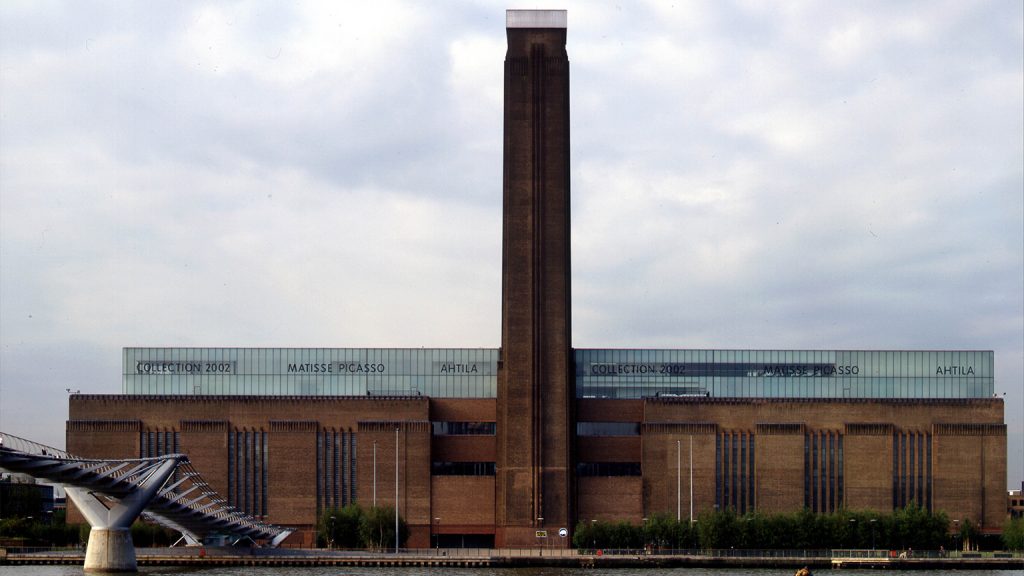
563	532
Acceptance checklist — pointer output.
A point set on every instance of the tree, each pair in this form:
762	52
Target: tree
718	529
377	529
663	531
968	534
340	527
1013	534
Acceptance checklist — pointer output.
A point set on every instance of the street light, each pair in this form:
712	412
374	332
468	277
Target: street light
540	526
330	532
873	520
437	535
644	519
956	534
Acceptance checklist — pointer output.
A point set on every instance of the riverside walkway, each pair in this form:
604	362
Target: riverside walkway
568	558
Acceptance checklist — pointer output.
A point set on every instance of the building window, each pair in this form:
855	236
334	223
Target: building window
153	444
823	471
895	471
607	428
839	472
247	471
463	428
807	472
814	472
928	480
462	468
912	470
734	471
719	489
335	468
606	469
750	475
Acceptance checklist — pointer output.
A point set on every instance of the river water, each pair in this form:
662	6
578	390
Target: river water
344	571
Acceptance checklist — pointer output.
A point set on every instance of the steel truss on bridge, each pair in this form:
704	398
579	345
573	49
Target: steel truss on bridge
111	494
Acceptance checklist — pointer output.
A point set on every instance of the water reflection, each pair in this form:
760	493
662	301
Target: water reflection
445	571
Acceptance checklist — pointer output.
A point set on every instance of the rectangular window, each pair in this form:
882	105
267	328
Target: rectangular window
231	468
319	471
336	468
607	428
266	467
928	461
807	471
463	428
246	502
895	472
921	469
823	488
718	470
814	472
257	473
840	496
832	472
732	472
725	470
608	469
352	468
910	469
903	470
750	484
462	468
743	474
336	474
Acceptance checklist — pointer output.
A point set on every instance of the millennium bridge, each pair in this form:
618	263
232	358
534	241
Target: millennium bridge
111	494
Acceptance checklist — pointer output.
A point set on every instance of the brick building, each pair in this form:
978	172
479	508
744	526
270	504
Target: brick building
481	447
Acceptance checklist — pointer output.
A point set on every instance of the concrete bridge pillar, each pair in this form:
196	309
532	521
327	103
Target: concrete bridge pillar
110	550
110	547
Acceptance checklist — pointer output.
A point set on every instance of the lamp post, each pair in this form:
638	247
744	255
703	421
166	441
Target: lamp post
853	531
330	533
437	535
956	534
593	535
644	519
540	526
374	473
873	520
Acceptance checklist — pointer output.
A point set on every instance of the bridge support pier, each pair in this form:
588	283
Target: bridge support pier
110	547
110	550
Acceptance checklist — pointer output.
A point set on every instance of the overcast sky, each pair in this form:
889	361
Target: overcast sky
796	175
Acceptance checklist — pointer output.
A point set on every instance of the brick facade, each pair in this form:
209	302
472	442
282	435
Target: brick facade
967	459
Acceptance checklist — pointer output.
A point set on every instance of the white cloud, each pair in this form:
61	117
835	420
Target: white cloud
791	175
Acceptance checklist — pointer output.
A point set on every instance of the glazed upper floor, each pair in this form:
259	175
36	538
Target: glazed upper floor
599	373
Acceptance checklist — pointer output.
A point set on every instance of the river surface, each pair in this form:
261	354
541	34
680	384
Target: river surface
343	571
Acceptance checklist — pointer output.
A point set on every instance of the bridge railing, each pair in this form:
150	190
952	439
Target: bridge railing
29	447
185	502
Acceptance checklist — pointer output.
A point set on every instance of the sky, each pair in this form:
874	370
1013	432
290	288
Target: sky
783	175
